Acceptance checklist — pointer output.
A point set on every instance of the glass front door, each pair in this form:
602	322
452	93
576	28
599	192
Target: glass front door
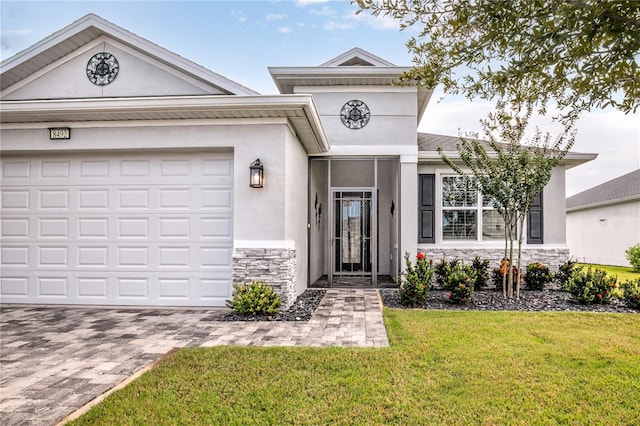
352	232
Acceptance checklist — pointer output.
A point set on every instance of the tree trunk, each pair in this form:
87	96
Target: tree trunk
520	238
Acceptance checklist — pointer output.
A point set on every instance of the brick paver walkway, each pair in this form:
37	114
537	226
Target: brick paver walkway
54	360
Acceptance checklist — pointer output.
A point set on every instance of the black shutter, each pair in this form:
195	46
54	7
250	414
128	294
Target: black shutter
426	208
535	222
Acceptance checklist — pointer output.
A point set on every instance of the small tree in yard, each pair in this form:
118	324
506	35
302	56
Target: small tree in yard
511	174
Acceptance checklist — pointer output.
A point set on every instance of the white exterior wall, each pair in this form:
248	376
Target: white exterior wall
393	119
554	210
295	199
602	234
259	214
553	215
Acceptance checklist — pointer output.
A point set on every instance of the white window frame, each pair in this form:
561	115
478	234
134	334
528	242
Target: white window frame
479	208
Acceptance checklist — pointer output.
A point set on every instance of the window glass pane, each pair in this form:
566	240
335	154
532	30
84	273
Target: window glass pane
458	191
487	202
459	225
492	225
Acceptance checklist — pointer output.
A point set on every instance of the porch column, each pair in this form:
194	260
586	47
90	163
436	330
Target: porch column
408	205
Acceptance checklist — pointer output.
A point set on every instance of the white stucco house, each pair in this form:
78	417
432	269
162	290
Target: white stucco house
125	177
604	221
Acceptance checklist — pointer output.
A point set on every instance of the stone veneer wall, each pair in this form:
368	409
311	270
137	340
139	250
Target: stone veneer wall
275	266
552	258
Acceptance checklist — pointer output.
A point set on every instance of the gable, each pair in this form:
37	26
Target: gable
357	57
139	75
149	70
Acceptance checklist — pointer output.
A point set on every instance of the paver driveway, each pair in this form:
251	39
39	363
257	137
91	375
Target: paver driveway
54	360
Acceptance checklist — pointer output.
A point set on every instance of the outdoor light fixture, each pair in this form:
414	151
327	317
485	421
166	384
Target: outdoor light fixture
256	174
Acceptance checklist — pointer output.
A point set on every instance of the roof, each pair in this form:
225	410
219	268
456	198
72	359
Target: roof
619	190
430	143
356	67
90	27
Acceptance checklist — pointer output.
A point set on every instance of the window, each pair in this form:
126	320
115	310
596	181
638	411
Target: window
465	212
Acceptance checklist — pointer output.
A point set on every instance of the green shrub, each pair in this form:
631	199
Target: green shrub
631	293
633	256
256	298
416	281
592	286
443	268
460	283
481	267
537	276
565	271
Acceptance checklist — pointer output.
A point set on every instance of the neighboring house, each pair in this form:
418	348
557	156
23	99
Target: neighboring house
604	221
125	177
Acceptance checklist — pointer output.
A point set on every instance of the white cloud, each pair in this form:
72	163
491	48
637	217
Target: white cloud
275	17
303	3
333	25
285	30
238	16
325	11
376	22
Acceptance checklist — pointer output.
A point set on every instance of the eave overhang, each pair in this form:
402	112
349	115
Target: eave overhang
570	160
288	79
299	110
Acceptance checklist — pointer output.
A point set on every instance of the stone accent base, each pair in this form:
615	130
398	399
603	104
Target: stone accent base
552	258
275	266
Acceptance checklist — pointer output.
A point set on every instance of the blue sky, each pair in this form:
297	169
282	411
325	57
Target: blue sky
240	39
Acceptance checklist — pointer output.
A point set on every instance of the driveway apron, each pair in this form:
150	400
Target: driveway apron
56	359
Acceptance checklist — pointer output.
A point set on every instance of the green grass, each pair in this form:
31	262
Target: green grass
444	367
624	273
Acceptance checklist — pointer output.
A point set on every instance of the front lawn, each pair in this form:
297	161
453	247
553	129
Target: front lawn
444	367
624	273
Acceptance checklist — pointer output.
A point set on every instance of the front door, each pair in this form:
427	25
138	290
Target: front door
353	239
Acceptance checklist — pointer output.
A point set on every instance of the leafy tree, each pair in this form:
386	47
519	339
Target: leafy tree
511	174
578	53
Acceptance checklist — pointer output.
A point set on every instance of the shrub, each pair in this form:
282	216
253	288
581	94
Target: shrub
633	256
631	293
537	276
442	270
565	271
497	273
415	281
256	298
591	287
481	268
460	283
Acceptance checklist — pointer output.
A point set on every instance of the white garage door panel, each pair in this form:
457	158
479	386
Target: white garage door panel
153	229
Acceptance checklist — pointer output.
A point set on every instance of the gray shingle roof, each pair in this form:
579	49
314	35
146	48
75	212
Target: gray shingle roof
626	187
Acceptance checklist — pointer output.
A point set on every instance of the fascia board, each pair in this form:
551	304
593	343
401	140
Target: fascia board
95	107
605	203
572	159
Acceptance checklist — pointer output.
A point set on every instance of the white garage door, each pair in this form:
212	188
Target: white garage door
135	229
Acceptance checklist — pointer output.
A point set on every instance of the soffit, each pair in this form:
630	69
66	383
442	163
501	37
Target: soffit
299	110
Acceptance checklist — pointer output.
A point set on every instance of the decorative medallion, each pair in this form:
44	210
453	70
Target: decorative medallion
102	68
355	114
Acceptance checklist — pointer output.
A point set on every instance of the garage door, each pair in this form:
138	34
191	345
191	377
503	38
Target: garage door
135	229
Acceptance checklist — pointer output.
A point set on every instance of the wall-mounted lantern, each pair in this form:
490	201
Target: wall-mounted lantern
256	174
